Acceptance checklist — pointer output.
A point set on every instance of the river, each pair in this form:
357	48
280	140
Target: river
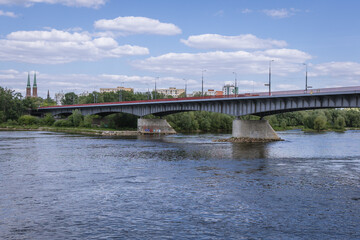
67	186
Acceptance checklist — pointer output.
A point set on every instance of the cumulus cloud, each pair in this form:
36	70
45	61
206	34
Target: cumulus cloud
54	47
286	61
349	70
245	41
80	83
137	25
279	13
70	3
7	14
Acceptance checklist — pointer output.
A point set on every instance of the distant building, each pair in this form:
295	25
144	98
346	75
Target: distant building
229	89
34	87
209	92
171	91
84	94
104	90
218	93
28	87
58	97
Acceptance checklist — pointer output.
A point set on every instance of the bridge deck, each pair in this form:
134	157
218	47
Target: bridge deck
244	96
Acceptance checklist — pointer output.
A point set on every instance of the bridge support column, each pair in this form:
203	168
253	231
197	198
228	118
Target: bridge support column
254	129
154	126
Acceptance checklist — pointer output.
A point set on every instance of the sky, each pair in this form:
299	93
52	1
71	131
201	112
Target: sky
85	45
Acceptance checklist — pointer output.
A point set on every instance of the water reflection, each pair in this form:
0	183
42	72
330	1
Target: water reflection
60	186
249	150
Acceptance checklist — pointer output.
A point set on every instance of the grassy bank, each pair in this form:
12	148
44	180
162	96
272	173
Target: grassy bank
75	130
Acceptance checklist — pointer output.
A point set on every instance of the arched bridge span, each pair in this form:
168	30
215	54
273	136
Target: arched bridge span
256	104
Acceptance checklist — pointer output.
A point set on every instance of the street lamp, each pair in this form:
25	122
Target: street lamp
202	82
120	92
185	85
306	78
235	82
269	84
155	87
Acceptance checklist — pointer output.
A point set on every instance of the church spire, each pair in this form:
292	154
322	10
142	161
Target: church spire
35	87
35	80
28	87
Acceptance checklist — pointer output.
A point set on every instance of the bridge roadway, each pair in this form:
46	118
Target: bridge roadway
260	104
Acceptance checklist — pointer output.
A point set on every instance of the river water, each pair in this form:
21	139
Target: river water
66	186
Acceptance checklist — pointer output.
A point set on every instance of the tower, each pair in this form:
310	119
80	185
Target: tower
34	87
28	87
48	95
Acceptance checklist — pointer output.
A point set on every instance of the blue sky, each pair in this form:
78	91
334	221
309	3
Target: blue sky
82	45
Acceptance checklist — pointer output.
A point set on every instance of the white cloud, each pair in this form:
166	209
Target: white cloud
246	10
245	41
70	3
54	47
137	25
7	14
279	13
349	70
286	61
80	83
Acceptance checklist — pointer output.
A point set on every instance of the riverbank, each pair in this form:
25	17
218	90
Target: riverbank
85	131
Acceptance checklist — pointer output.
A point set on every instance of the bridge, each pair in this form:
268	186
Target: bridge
260	104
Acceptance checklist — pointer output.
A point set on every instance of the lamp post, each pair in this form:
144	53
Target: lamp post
155	87
120	92
306	72
269	84
202	82
185	85
235	83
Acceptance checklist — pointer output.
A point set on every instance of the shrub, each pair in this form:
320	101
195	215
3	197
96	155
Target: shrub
62	123
48	120
28	120
88	119
76	118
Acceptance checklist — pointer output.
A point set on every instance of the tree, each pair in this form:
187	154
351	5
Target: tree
320	123
70	98
76	118
340	122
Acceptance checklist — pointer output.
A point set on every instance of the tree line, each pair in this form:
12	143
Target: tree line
14	110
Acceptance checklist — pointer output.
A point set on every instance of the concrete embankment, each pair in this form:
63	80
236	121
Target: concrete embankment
154	126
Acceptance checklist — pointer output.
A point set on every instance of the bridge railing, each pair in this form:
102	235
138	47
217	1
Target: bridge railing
243	95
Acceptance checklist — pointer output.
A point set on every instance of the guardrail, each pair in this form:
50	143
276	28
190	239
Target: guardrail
276	93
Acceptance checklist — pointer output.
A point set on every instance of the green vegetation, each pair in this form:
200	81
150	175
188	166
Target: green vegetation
14	113
317	120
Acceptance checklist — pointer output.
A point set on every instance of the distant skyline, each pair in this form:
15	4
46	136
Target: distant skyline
85	45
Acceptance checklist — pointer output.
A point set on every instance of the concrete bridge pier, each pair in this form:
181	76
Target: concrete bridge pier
154	126
254	129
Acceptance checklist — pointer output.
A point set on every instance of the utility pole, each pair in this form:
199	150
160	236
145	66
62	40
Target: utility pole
235	83
185	86
269	84
121	92
202	82
306	73
155	85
